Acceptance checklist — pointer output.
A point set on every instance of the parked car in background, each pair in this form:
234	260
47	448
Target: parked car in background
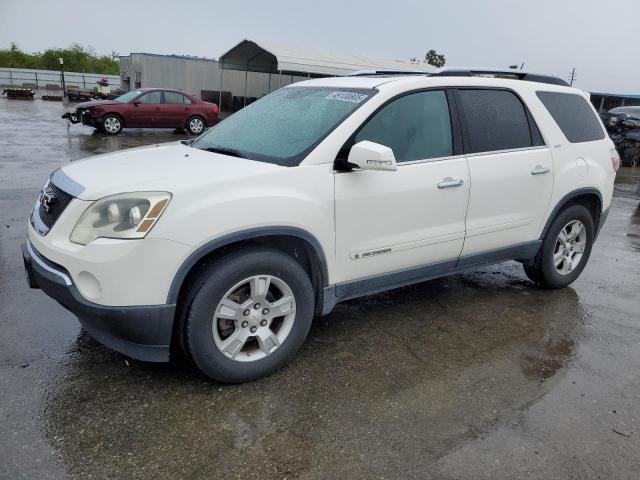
226	247
623	126
147	108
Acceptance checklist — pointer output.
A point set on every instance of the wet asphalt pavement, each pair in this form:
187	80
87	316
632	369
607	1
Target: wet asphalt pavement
478	375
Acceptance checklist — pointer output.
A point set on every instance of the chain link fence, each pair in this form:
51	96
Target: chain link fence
52	80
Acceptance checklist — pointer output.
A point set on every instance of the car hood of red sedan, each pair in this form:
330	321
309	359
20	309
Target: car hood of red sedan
95	103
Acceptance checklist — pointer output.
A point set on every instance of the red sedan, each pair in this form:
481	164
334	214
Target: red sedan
147	108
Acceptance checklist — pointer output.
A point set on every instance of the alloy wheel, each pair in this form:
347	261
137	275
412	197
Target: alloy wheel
112	125
254	318
569	247
196	125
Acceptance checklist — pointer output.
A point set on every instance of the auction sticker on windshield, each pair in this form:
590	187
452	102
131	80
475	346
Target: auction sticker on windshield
346	96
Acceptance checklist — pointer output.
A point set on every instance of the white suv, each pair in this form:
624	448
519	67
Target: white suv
326	190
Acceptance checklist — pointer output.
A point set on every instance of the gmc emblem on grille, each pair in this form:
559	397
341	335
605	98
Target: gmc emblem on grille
49	198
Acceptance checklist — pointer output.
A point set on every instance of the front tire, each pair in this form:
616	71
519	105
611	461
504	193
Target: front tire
565	249
249	313
111	124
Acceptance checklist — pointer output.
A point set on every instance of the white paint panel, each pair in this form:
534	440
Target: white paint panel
403	213
507	203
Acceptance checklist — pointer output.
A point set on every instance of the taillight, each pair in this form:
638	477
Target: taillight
216	110
615	159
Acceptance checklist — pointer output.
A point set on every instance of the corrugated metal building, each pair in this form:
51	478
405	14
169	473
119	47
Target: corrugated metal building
247	71
192	75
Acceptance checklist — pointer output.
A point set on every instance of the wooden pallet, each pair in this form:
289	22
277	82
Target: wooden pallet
19	93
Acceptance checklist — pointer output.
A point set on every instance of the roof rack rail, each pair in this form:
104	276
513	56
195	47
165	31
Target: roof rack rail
468	72
368	73
499	73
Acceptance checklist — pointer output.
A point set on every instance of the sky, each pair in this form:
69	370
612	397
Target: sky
596	37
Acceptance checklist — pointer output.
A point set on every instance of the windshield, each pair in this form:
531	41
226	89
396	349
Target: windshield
128	96
283	127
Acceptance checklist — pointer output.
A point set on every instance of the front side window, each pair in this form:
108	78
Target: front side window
127	97
151	97
573	115
174	97
284	126
415	126
495	120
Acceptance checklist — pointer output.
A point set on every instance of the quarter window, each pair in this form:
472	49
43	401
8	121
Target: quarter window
573	115
495	120
415	127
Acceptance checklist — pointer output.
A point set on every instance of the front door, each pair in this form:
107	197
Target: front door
145	111
415	216
511	171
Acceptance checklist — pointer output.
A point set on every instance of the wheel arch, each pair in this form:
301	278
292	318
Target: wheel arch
298	243
589	197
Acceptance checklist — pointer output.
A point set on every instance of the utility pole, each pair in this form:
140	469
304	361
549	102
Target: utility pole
572	76
64	86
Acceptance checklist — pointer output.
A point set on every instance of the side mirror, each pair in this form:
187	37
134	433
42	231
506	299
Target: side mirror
137	102
372	156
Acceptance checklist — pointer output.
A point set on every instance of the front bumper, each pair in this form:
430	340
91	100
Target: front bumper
140	332
82	116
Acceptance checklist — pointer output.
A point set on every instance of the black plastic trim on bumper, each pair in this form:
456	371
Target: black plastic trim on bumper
603	218
143	333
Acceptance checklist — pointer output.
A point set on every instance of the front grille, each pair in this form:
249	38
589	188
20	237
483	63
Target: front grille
63	199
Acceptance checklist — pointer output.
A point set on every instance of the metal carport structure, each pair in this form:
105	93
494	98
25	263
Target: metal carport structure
249	56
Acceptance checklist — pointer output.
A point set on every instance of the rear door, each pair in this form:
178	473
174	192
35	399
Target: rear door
175	110
146	111
511	170
413	217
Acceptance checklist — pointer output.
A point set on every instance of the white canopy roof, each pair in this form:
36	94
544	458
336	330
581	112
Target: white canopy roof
273	58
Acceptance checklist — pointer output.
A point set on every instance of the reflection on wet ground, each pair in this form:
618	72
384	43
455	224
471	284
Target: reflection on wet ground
400	365
477	375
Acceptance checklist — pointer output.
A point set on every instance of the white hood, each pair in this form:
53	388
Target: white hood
166	167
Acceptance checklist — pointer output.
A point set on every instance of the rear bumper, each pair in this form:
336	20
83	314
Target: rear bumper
140	332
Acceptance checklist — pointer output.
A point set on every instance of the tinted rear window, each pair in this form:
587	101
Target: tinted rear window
573	115
495	120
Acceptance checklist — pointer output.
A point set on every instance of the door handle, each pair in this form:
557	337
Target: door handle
450	183
540	170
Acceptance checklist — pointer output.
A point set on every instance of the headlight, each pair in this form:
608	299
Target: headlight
127	215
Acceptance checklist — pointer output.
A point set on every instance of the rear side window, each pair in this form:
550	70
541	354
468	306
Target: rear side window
174	97
495	120
573	115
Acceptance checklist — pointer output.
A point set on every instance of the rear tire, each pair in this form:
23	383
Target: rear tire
565	249
248	314
195	125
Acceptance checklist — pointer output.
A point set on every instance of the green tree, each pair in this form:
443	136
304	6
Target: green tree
76	59
434	58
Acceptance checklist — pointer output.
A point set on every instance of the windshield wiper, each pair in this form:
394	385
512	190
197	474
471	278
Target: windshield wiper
225	151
